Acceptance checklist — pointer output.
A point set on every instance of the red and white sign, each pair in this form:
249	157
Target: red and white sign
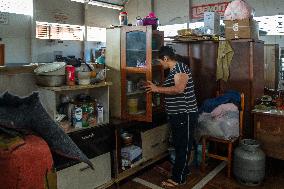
198	10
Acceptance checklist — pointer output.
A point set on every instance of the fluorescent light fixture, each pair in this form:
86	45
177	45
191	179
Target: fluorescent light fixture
79	1
100	4
106	5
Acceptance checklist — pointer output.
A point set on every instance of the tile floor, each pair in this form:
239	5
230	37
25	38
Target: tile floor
154	175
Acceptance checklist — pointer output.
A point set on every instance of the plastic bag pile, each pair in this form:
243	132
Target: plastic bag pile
222	122
238	10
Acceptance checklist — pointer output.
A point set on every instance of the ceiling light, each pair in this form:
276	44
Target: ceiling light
100	4
106	5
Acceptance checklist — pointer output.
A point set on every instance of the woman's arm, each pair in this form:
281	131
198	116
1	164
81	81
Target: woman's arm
180	80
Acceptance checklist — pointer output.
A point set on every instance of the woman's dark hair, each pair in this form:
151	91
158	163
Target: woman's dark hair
167	51
170	52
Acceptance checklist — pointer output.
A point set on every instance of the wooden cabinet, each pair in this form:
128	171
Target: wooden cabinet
2	54
82	176
201	56
154	147
247	76
50	97
271	66
246	71
269	131
131	56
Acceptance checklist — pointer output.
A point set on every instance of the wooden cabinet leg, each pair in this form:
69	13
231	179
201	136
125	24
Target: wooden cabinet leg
117	185
230	146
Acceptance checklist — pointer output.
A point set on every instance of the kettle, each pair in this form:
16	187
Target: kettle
139	21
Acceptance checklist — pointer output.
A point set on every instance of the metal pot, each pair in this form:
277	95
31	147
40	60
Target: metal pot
249	163
50	80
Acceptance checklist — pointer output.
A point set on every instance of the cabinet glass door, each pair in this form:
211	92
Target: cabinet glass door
136	49
136	61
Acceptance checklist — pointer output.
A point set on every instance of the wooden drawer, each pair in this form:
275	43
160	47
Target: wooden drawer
269	131
155	142
83	177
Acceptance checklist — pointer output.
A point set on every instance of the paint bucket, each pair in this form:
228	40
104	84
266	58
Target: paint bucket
132	105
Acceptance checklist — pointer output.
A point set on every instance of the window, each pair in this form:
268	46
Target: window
17	6
273	25
281	63
171	30
45	30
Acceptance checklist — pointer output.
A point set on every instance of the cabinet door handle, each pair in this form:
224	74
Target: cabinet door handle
85	168
155	145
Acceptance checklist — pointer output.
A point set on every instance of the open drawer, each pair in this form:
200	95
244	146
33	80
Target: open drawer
83	177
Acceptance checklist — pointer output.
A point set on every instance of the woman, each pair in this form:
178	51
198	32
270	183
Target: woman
181	107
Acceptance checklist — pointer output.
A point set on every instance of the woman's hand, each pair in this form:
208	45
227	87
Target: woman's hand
150	87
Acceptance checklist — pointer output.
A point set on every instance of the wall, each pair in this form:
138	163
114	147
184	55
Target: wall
172	11
273	39
22	47
101	17
16	36
45	11
136	8
19	84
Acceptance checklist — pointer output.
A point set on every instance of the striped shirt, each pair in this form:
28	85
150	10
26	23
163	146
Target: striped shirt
184	102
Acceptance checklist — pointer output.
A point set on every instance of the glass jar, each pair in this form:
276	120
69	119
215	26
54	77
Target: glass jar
123	18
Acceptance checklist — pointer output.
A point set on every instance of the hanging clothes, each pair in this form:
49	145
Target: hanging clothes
225	56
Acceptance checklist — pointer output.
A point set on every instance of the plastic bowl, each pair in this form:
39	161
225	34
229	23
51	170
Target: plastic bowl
84	75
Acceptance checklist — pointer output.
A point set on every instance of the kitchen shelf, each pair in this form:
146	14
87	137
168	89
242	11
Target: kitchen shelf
135	93
83	128
77	87
50	97
138	50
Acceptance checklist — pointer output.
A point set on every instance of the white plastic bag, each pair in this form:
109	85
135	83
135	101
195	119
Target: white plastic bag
238	10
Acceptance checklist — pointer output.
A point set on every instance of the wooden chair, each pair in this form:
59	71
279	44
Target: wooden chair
228	142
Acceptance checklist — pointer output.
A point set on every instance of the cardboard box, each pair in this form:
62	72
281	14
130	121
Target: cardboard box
211	23
241	29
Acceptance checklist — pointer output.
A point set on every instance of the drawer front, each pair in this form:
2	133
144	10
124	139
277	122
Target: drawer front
271	145
83	177
270	134
155	142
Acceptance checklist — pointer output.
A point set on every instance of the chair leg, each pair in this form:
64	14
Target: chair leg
230	146
203	154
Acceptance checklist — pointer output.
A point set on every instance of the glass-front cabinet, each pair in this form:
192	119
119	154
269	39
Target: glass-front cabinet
139	64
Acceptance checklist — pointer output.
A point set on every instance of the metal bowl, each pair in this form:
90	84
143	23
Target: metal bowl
55	68
127	138
50	80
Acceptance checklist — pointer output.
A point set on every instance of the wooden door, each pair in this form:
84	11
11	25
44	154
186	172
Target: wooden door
201	56
2	54
136	68
247	75
271	66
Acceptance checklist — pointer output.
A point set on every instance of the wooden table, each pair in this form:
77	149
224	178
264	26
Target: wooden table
269	131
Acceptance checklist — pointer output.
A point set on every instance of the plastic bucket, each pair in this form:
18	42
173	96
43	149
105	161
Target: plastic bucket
132	105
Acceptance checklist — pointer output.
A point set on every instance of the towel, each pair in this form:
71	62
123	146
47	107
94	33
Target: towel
225	56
